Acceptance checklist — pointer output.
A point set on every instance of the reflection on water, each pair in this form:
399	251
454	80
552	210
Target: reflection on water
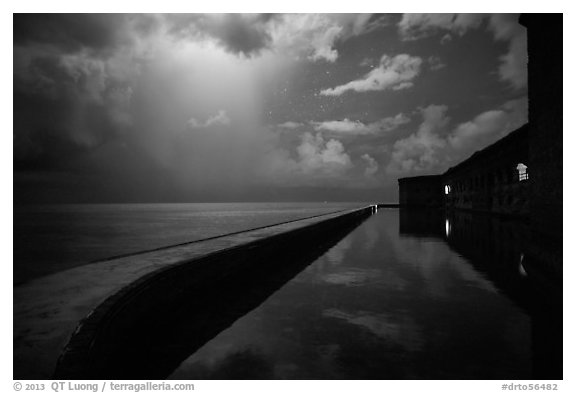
148	329
407	295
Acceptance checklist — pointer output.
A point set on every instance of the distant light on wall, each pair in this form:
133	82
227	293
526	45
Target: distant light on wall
521	266
448	228
447	189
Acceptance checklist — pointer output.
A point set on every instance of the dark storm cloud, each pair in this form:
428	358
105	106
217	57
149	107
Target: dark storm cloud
238	34
68	32
68	96
39	142
60	107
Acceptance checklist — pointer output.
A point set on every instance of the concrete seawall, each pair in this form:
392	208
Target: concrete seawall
90	322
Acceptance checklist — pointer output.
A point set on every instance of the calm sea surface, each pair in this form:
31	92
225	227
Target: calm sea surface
406	295
52	238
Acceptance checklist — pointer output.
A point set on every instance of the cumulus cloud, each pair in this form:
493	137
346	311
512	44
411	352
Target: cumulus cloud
312	36
371	165
513	67
347	126
417	26
356	127
434	146
220	118
316	154
486	123
316	161
418	152
435	63
78	97
446	38
290	125
489	126
394	73
367	62
315	35
120	99
504	27
88	74
245	34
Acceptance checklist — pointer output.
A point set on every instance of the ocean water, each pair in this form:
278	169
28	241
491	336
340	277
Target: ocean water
51	238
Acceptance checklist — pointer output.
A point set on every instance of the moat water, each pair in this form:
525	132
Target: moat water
406	295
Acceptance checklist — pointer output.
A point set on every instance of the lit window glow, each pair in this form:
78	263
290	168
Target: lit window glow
522	172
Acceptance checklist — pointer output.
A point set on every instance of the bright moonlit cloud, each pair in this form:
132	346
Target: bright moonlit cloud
316	154
489	126
315	35
290	125
416	26
350	127
418	151
394	73
316	161
371	165
220	118
504	27
433	146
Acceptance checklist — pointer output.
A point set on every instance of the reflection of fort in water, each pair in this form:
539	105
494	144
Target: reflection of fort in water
516	184
497	248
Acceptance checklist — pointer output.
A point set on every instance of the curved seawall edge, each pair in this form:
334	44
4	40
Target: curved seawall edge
55	312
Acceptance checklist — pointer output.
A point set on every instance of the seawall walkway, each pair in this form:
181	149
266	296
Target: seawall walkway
51	310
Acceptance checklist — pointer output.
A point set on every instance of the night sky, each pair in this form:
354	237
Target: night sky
301	107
